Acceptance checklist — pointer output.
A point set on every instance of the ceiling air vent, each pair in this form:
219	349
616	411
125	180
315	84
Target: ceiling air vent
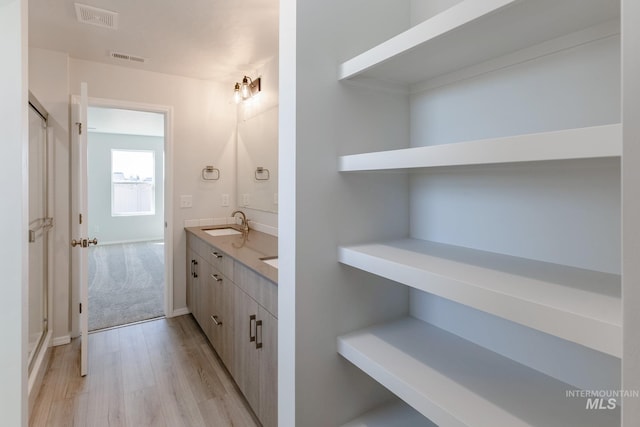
94	16
127	57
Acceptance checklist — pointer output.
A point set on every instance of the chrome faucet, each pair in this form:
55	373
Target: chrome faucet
244	223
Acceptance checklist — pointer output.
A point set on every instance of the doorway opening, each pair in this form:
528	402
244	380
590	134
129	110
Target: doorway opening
126	212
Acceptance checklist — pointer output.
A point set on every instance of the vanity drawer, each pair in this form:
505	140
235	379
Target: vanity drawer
264	291
220	261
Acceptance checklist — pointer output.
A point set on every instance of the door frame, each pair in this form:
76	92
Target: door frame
167	111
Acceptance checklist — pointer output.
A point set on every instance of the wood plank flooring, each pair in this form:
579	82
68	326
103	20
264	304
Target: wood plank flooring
158	373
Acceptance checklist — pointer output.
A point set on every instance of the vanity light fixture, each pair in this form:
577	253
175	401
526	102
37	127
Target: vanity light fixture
247	89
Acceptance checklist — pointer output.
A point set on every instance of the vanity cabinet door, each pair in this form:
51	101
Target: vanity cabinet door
247	364
267	339
189	270
194	281
256	357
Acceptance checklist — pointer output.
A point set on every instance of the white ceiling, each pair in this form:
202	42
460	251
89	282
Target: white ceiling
216	40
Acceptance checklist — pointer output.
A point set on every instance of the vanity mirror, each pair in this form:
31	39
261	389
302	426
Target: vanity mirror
258	161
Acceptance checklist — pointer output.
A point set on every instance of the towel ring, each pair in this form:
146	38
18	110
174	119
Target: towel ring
207	171
260	171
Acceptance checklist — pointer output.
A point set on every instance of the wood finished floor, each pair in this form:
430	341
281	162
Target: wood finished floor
157	373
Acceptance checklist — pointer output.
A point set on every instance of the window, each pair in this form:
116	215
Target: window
132	182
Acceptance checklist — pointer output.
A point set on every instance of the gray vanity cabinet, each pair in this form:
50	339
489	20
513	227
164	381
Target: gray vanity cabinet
237	308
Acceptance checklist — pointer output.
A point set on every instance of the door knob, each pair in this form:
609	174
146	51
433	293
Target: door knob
84	242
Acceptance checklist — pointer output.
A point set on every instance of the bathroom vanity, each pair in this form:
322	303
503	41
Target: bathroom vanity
232	292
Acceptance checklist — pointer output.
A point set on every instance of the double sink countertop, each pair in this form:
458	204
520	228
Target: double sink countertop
249	250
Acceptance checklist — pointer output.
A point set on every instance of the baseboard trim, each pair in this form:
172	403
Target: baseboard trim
180	312
65	339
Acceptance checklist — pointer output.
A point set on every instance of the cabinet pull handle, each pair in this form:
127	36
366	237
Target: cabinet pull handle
252	320
215	320
259	342
216	277
192	261
195	269
216	254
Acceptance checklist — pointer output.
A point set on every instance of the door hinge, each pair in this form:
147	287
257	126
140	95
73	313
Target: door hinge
80	218
80	308
79	128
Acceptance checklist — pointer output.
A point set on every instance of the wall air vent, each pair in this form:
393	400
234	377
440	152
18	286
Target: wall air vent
126	57
94	16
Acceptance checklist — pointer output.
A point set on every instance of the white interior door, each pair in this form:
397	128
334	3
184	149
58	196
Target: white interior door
80	241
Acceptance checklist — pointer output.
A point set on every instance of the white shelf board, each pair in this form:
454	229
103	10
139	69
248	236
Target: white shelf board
454	382
578	305
580	143
472	32
396	414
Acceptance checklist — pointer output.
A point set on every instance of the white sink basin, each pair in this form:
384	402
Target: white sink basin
271	261
222	232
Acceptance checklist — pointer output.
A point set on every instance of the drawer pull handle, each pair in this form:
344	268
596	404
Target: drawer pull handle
259	342
216	254
216	277
252	321
215	320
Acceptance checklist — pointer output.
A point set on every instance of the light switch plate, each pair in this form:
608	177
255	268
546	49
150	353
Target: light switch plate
245	199
186	201
225	200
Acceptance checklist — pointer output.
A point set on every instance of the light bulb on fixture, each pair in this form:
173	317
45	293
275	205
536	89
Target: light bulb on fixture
236	93
245	87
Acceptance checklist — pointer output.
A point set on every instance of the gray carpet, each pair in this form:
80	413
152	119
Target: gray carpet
126	283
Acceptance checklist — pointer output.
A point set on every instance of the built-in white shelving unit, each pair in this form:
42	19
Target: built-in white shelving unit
449	380
578	305
471	32
582	143
457	383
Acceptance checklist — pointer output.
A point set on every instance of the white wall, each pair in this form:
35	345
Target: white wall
117	229
13	219
320	209
422	10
